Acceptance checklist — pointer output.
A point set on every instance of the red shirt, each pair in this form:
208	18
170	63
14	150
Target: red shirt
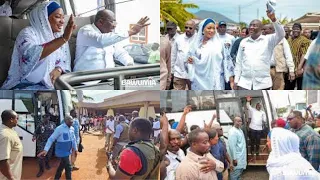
130	162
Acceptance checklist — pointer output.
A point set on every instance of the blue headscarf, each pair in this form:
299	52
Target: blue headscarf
207	22
52	7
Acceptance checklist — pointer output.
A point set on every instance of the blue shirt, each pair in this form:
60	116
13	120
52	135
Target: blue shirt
218	151
118	132
76	126
66	141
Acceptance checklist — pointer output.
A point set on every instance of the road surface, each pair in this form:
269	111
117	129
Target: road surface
92	162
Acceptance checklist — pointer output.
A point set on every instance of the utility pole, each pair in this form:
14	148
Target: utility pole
258	13
239	14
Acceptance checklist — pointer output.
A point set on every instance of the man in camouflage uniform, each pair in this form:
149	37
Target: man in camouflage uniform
42	134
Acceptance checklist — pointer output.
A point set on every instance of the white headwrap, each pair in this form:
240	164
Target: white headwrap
33	38
285	160
208	69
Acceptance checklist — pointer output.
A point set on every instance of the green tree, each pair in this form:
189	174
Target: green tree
243	24
175	11
265	21
75	97
281	110
283	21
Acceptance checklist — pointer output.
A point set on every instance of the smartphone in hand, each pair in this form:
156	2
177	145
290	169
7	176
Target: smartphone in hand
271	5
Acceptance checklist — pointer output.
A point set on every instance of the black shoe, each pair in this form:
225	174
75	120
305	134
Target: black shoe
39	173
48	167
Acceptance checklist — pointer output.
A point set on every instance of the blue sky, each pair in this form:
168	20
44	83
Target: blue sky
286	8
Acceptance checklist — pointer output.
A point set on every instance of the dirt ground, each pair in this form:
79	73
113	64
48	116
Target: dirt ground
255	173
92	162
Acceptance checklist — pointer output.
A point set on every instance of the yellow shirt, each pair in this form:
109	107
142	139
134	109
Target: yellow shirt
11	150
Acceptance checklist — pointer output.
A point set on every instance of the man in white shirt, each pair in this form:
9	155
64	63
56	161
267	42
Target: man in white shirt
252	70
156	129
109	133
174	154
227	40
258	117
281	61
5	9
179	52
96	47
83	123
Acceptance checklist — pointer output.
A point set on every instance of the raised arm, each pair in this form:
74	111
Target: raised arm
274	39
182	121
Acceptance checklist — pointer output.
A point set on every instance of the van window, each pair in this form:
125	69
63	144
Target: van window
24	107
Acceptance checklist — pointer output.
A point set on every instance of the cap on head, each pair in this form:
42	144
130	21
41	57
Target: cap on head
280	123
52	7
297	25
222	23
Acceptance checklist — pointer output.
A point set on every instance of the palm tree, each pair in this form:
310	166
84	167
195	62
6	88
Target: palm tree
175	11
243	24
283	21
265	20
75	97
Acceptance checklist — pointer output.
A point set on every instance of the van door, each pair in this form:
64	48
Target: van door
24	105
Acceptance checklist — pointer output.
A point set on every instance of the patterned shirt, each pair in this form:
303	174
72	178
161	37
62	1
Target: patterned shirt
299	47
44	131
311	76
309	145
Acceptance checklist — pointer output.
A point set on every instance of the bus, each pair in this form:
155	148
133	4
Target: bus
226	105
138	46
30	106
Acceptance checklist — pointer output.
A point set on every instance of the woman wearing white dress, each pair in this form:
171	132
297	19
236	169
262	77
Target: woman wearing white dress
209	64
41	52
285	161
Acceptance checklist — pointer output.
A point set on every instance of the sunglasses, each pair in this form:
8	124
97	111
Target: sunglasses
188	28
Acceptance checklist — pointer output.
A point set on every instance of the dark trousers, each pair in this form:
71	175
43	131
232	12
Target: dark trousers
171	83
219	175
43	161
290	85
255	137
66	165
227	86
83	126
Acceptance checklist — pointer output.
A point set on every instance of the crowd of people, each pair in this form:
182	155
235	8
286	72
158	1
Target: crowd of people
41	52
261	56
133	142
206	153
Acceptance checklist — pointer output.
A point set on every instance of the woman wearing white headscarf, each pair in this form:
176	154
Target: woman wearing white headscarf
285	161
209	64
41	52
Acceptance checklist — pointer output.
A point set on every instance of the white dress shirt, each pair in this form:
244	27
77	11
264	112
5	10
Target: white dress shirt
110	124
257	117
287	55
227	40
5	9
179	52
175	160
156	125
252	70
96	50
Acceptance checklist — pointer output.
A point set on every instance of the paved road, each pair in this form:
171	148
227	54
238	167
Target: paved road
91	162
